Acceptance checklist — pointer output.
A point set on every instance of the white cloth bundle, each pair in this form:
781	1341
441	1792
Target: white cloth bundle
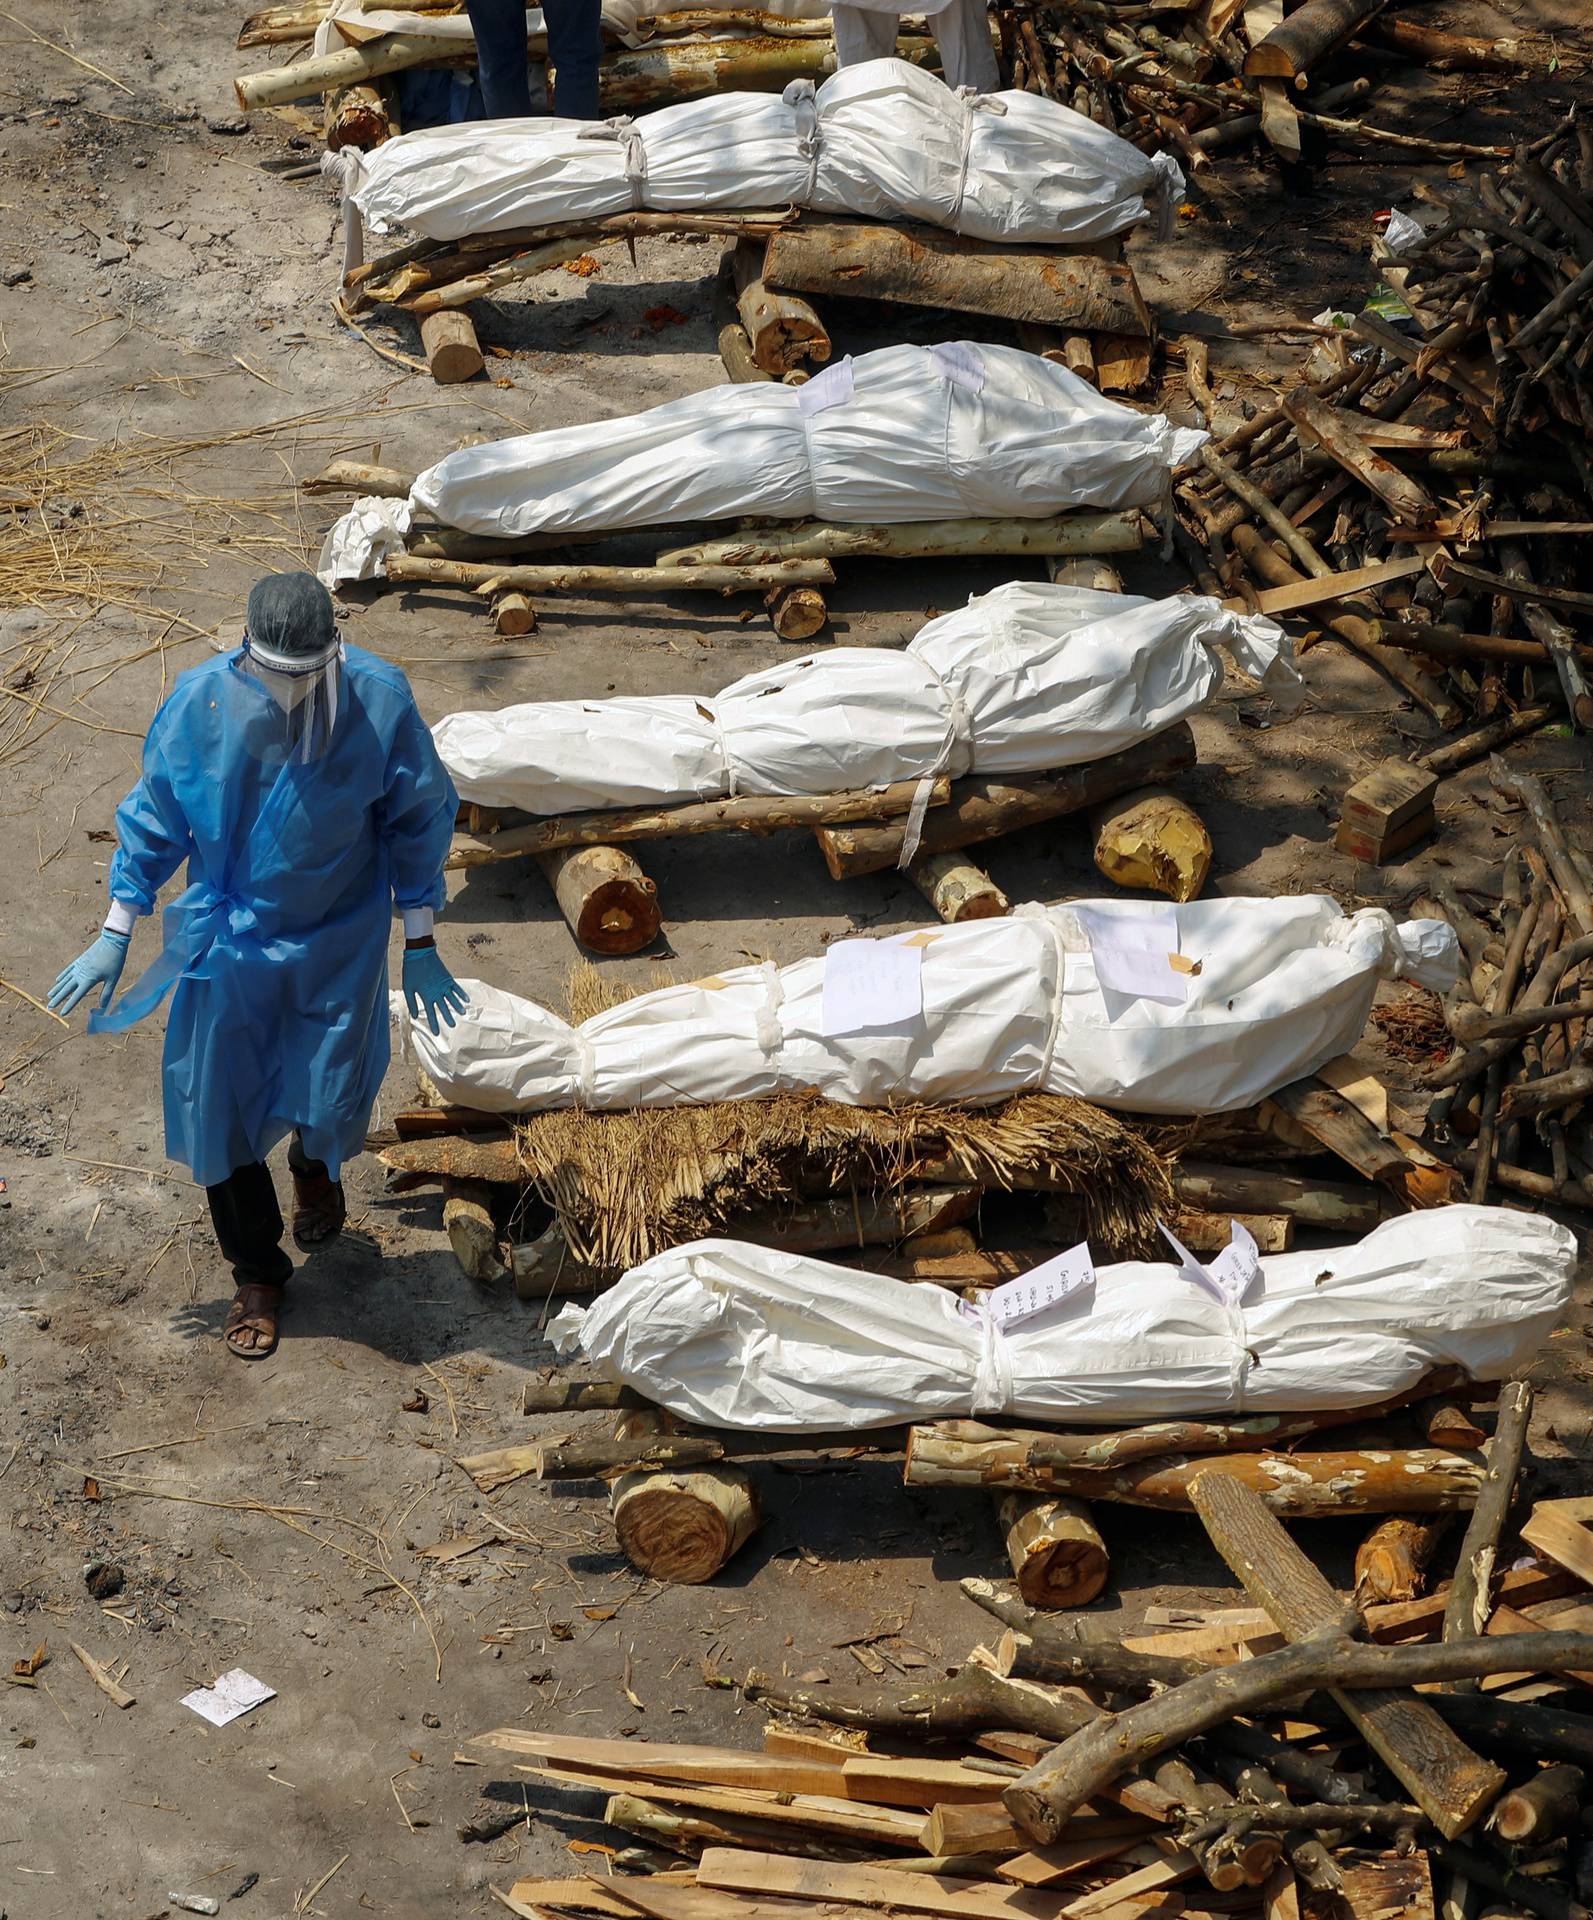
955	432
1020	680
884	139
1262	992
734	1335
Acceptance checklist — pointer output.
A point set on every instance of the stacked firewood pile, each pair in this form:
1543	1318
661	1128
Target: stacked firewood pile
1271	1758
1216	75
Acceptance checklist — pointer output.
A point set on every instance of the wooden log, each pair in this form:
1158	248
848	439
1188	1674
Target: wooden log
491	576
513	615
1337	433
1452	1785
927	267
916	540
645	77
672	1447
1153	840
971	1701
1387	811
957	889
472	1232
782	328
796	612
1058	1558
1122	360
610	904
1298	1485
1338	1125
1445	642
1557	640
1470	1594
1541	1809
1529	791
1535	1732
1354	629
750	813
490	1158
1481	741
347	67
1088	1762
453	352
1211	1232
360	476
558	1395
1307	36
1391	1562
357	117
1446	52
689	1832
1340	1207
981	809
681	1528
861	1220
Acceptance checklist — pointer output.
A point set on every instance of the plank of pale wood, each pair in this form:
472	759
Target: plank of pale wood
1047	1866
1332	586
1150	1881
889	1782
1559	1528
656	1760
734	1871
579	1895
851	1820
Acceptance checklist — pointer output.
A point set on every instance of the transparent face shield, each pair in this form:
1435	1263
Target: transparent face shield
306	689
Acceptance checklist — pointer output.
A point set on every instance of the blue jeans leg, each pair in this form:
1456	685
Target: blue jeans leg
499	27
575	41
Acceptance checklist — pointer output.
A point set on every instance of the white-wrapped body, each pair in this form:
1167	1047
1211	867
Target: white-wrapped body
741	1336
1278	987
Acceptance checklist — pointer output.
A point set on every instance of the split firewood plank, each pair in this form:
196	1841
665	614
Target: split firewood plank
1336	434
747	813
1560	1529
640	1893
1049	1866
734	1871
963	1827
927	267
851	1820
1391	1562
656	1760
888	1782
1337	1124
1318	1203
683	1830
575	1895
1388	1884
824	1744
1280	121
1175	1866
1300	594
1452	1785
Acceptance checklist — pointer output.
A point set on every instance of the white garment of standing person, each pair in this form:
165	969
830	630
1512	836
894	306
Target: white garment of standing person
867	30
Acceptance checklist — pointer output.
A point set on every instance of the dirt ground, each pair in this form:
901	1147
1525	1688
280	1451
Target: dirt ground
169	347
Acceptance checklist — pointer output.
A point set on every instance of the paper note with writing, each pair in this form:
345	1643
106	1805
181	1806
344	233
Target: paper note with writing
1132	957
1043	1286
1238	1267
870	984
233	1695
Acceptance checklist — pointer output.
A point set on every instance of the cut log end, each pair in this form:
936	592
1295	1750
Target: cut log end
1057	1556
957	889
1156	841
796	613
453	352
681	1528
610	904
513	615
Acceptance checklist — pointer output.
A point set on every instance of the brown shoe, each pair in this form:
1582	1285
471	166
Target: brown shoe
319	1208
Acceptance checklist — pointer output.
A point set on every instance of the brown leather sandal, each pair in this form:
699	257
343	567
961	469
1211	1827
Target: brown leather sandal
319	1209
255	1311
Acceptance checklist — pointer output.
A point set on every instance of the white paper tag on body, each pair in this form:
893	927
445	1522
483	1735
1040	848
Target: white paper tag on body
870	984
1134	957
1231	1275
1046	1285
831	388
233	1695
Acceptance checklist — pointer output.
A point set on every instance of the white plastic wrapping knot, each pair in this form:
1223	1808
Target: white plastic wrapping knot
1025	679
623	129
1262	649
342	169
1268	990
358	545
732	1335
973	102
801	96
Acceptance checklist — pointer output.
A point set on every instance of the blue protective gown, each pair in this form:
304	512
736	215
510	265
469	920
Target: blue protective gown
278	947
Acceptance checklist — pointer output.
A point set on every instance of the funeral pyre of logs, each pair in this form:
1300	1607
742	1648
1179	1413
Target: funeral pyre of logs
1271	1758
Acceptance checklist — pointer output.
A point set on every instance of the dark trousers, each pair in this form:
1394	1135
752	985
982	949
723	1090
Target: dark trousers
575	40
248	1221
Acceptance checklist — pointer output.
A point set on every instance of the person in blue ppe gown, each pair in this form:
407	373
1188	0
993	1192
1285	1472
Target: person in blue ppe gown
298	781
575	45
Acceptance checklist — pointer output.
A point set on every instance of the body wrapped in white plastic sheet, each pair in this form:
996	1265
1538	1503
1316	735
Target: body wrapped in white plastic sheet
882	139
1277	988
954	432
735	1335
1021	680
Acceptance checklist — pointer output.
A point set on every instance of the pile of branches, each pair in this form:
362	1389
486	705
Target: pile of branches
1185	74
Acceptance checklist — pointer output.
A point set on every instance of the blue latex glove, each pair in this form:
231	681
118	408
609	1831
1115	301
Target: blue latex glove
99	964
429	988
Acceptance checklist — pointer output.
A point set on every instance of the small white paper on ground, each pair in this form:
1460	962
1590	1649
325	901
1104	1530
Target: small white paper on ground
233	1695
1134	957
1046	1285
870	984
